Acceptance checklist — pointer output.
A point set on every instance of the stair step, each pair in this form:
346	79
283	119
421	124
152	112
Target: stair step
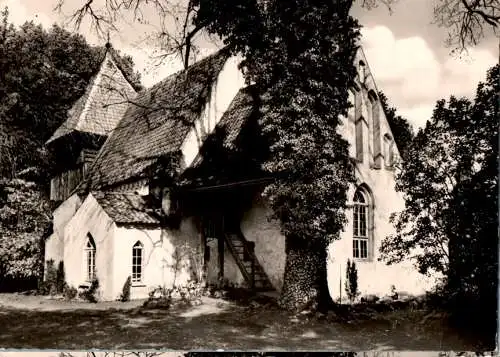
260	279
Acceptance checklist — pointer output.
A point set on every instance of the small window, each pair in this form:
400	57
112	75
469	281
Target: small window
388	150
137	262
375	122
90	251
351	113
362	71
361	215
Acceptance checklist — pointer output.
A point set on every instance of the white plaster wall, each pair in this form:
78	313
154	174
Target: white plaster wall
90	218
269	242
54	245
159	258
232	271
229	81
374	277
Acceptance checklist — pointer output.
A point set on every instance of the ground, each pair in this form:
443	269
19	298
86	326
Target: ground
37	322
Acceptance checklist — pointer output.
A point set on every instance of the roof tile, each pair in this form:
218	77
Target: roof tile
155	123
125	208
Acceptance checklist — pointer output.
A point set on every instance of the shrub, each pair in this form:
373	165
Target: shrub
159	298
60	278
351	283
49	285
69	292
125	295
90	294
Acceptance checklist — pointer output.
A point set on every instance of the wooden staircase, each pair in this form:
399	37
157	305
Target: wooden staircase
244	255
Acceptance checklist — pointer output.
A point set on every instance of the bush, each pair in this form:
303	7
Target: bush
69	292
49	285
351	283
125	296
90	294
159	298
60	278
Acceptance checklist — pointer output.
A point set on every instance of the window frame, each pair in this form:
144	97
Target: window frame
376	128
90	251
137	277
362	242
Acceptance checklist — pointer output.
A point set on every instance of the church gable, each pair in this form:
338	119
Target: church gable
366	126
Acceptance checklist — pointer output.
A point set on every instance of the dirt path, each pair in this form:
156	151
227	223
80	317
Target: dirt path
34	322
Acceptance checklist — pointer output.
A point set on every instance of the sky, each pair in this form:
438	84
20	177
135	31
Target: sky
405	51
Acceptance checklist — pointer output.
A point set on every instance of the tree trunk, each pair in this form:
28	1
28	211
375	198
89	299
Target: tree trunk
305	283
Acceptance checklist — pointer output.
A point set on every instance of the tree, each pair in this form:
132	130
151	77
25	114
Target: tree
42	73
467	20
24	220
351	280
450	184
400	127
299	55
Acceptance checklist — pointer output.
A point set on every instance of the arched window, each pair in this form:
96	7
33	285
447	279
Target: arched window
358	126
137	262
388	150
375	119
361	229
362	72
90	258
352	101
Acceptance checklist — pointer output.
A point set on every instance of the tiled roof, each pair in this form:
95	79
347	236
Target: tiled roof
155	123
236	115
125	208
102	105
74	114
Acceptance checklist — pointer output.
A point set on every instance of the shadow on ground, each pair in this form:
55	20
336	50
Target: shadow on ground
219	324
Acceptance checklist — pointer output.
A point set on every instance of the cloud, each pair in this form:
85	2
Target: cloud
19	14
471	68
409	72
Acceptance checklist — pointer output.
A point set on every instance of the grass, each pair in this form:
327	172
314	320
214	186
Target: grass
35	322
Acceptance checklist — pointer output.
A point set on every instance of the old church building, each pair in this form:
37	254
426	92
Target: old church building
113	219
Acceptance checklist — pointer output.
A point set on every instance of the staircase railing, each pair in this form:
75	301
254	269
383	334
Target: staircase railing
248	252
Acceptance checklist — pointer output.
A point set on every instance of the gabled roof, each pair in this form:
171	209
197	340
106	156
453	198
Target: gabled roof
125	208
102	105
155	123
233	119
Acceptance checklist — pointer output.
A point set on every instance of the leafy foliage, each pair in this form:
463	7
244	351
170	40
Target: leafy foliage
400	127
42	73
125	295
351	281
300	56
450	184
90	294
70	292
24	220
